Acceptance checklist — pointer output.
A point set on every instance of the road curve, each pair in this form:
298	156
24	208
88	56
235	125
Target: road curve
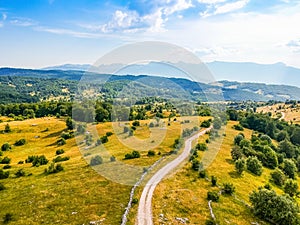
144	216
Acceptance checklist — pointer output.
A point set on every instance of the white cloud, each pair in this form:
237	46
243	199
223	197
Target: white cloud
4	16
215	8
122	20
154	21
229	7
211	1
179	5
23	22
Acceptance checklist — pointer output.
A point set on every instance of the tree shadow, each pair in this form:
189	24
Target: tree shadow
234	174
55	134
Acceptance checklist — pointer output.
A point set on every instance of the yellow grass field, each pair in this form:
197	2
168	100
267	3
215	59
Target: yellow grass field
79	194
184	194
289	113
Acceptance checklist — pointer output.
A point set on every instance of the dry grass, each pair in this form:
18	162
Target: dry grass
75	196
184	194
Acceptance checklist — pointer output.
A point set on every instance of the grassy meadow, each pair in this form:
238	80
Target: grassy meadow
184	194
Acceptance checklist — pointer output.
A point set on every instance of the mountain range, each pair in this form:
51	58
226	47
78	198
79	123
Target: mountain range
217	90
277	73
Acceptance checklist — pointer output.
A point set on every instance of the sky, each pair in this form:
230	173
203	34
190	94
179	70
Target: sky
40	33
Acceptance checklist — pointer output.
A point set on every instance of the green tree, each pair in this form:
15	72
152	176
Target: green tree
238	139
7	128
289	168
240	166
270	158
236	153
278	177
70	123
5	147
217	123
213	196
281	210
228	188
97	160
254	165
290	187
295	137
287	148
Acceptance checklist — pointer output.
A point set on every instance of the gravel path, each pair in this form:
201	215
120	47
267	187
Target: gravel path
144	216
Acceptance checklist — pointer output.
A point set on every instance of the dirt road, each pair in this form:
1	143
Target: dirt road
144	216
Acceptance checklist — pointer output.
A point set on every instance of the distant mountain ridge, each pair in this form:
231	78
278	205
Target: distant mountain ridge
230	90
277	73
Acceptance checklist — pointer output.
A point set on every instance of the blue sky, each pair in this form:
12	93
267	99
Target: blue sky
39	33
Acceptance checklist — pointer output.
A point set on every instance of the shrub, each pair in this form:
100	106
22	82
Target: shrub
3	174
213	196
61	159
197	165
37	160
66	136
254	165
97	160
205	124
6	167
290	187
21	162
5	160
20	173
151	153
210	222
112	158
278	177
228	188
61	141
269	206
104	139
54	168
109	133
2	187
70	123
60	151
7	218
7	128
152	124
135	200
203	174
20	142
214	181
240	166
238	127
201	146
136	123
5	147
81	129
133	155
238	139
289	168
126	129
236	153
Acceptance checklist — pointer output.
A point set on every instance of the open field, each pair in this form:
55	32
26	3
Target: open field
78	194
184	194
284	111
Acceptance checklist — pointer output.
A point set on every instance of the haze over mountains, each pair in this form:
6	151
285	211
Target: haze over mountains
277	73
32	81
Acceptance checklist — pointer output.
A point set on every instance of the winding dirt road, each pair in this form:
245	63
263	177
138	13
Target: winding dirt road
144	216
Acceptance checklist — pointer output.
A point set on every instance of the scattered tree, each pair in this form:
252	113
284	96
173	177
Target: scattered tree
254	165
290	187
240	166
